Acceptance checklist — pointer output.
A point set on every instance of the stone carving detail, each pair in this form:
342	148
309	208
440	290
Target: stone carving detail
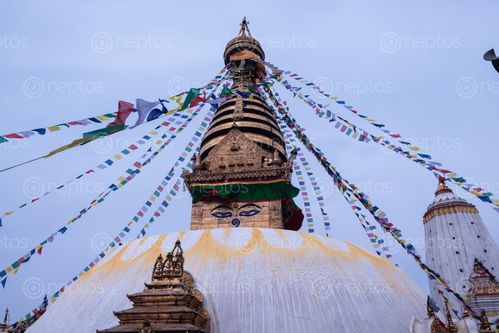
484	292
236	152
483	282
238	109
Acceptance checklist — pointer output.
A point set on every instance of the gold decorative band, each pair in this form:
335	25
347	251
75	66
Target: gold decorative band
444	210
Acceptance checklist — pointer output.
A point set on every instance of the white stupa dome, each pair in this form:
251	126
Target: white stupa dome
253	280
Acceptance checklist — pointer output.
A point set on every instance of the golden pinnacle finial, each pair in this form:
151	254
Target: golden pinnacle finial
484	323
442	186
450	324
244	28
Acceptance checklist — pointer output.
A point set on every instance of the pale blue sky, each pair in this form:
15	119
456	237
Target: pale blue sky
416	66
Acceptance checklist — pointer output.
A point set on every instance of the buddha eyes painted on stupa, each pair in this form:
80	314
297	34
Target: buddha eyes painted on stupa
246	210
222	212
249	210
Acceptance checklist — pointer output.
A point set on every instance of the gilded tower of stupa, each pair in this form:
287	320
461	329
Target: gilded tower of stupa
242	174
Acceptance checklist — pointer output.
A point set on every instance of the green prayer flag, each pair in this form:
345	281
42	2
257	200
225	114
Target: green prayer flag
190	96
103	131
225	92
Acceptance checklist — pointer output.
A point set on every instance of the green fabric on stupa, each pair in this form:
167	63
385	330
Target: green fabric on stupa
258	191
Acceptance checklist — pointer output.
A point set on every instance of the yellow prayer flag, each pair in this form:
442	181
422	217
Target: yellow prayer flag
75	143
53	128
103	118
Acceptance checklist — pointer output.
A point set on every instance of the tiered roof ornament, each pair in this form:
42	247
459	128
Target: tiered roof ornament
171	267
170	303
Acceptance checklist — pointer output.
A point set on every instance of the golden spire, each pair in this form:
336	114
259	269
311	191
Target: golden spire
244	28
450	324
442	187
447	204
6	318
484	323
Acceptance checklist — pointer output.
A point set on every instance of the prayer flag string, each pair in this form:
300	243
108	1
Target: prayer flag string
171	123
156	194
375	211
121	181
413	153
92	120
370	229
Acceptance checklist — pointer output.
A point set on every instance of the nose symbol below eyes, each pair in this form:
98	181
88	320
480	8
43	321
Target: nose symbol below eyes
235	223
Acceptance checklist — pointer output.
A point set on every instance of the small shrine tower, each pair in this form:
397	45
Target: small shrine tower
460	247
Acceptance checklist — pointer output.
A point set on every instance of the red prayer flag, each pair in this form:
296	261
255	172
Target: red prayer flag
124	110
14	136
